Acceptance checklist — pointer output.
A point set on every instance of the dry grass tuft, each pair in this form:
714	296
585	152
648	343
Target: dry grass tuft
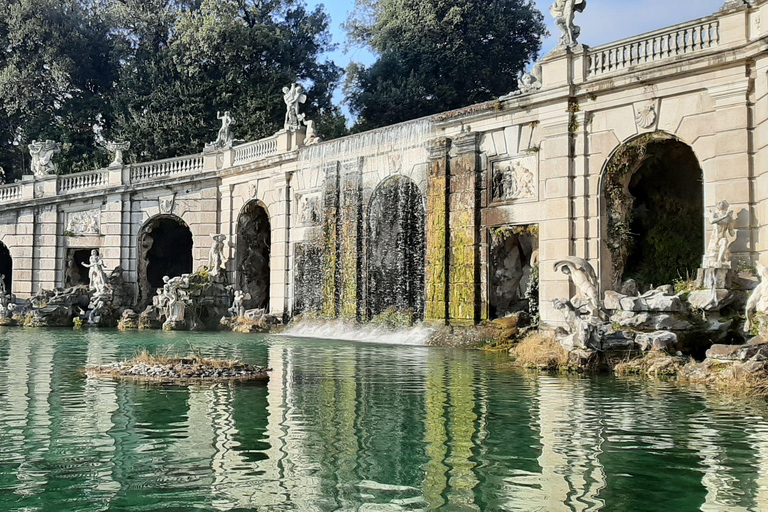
748	377
541	351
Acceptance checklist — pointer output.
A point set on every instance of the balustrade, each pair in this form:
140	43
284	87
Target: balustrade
166	168
255	151
654	47
83	180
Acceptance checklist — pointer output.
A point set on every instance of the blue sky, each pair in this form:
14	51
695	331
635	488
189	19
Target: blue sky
602	22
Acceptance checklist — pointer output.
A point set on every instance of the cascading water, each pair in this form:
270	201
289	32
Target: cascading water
339	330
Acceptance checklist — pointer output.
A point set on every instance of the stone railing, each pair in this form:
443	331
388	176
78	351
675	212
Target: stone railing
166	168
254	151
83	180
685	39
11	192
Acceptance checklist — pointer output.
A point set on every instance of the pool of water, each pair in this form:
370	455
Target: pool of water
365	427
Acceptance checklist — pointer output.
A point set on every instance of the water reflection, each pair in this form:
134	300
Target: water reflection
344	426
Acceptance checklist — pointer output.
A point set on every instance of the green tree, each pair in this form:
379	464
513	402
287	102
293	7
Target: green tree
57	68
437	55
234	55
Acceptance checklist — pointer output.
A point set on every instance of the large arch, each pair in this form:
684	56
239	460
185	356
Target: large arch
652	210
165	249
6	267
254	242
396	248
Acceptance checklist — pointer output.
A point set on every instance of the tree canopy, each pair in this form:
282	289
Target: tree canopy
155	72
437	55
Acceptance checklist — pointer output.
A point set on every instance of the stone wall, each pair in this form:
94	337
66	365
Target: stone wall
530	159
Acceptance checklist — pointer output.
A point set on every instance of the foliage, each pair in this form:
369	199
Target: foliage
155	73
437	55
394	319
532	296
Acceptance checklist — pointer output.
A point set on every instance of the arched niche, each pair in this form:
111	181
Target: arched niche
652	195
254	240
396	248
164	249
6	267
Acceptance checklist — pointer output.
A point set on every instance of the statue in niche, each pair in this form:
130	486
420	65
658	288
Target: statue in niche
238	307
72	276
42	155
718	253
583	275
564	11
96	275
758	301
118	148
515	181
3	295
293	97
216	255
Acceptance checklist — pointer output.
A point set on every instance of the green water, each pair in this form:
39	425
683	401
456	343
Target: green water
360	427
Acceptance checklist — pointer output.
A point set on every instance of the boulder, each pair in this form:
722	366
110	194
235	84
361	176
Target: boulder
617	341
129	320
664	302
646	321
633	304
612	300
711	300
658	341
629	288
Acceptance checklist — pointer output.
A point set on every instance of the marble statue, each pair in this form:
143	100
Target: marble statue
42	155
584	277
564	12
117	148
529	82
97	277
3	295
83	223
216	255
758	301
718	253
175	296
311	138
238	308
293	97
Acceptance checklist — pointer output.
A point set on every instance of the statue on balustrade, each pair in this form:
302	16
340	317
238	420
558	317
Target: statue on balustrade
564	11
293	97
42	155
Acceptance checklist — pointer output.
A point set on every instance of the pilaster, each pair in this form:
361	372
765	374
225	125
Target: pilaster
350	238
464	221
437	242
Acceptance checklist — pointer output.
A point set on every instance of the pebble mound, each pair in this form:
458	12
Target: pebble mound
179	369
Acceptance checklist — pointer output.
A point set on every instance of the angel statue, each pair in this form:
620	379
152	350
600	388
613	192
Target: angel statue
584	277
293	97
564	12
42	154
718	253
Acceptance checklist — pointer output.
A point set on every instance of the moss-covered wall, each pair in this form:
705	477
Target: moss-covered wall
350	248
437	232
330	241
463	276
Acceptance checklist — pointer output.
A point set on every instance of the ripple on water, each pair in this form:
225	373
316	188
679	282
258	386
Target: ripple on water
350	426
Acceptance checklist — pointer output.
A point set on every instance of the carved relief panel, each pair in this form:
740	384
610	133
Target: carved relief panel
84	223
515	179
309	208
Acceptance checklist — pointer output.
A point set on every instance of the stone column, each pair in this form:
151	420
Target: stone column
350	237
330	240
463	221
436	309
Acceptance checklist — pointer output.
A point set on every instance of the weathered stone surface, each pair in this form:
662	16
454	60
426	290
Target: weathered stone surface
612	300
129	320
756	349
633	304
630	288
656	341
646	321
711	300
617	341
664	302
722	277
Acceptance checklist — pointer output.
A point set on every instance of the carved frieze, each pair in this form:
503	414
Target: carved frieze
84	223
309	208
515	179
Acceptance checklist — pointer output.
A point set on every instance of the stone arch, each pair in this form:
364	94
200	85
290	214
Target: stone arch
6	267
254	245
396	247
652	211
164	249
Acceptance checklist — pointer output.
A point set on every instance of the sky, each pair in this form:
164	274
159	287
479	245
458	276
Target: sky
603	21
